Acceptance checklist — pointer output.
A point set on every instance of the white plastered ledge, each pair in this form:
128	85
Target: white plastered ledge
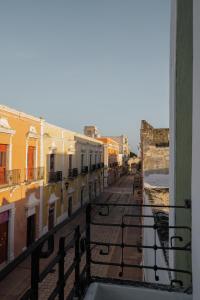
53	198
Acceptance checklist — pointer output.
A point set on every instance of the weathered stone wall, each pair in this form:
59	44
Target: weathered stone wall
154	148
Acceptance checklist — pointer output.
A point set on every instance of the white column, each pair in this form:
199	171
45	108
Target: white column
172	120
196	152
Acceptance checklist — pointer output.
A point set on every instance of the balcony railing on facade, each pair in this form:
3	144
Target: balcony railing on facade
90	249
55	176
84	170
34	174
113	164
10	177
73	173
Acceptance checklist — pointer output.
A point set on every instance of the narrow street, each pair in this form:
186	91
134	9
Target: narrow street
18	281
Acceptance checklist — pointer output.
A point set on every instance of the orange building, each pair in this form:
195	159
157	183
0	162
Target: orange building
111	160
21	182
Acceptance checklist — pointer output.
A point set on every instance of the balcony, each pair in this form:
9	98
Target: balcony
84	170
98	166
87	249
102	165
73	173
34	174
55	176
10	177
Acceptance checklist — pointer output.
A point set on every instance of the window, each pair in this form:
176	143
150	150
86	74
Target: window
31	162
52	162
70	161
3	160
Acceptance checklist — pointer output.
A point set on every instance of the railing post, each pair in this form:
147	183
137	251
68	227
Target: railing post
77	261
35	260
88	250
61	268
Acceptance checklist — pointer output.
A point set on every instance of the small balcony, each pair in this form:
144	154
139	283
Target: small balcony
55	176
10	177
84	170
34	174
73	173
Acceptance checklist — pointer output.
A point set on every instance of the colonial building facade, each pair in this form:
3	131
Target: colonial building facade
21	182
46	174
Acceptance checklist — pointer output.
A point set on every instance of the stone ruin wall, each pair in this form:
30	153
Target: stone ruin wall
155	159
155	149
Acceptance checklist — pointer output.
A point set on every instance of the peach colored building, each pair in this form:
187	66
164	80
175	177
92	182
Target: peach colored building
21	182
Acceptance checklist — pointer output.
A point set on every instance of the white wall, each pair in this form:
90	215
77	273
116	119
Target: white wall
172	120
196	154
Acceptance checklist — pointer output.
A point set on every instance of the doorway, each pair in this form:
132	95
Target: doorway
51	217
82	196
30	230
4	217
90	192
70	206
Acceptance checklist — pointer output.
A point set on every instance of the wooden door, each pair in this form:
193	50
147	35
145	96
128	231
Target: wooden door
82	193
31	162
3	159
52	162
3	237
95	189
30	230
51	216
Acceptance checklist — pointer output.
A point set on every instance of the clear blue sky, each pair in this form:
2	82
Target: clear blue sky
102	62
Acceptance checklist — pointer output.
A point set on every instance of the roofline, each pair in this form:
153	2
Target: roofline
19	113
83	136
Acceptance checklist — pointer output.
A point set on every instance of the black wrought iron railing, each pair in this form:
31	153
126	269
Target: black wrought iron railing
126	222
92	247
55	176
33	174
73	173
84	170
10	177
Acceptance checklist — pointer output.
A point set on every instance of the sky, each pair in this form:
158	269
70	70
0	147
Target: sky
87	62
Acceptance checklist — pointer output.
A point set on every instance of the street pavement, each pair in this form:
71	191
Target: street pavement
14	285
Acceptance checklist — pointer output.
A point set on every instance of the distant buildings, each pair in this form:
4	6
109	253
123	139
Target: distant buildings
116	154
124	151
111	160
46	174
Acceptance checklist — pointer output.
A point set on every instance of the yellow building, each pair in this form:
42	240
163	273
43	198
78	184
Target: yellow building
21	181
73	173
